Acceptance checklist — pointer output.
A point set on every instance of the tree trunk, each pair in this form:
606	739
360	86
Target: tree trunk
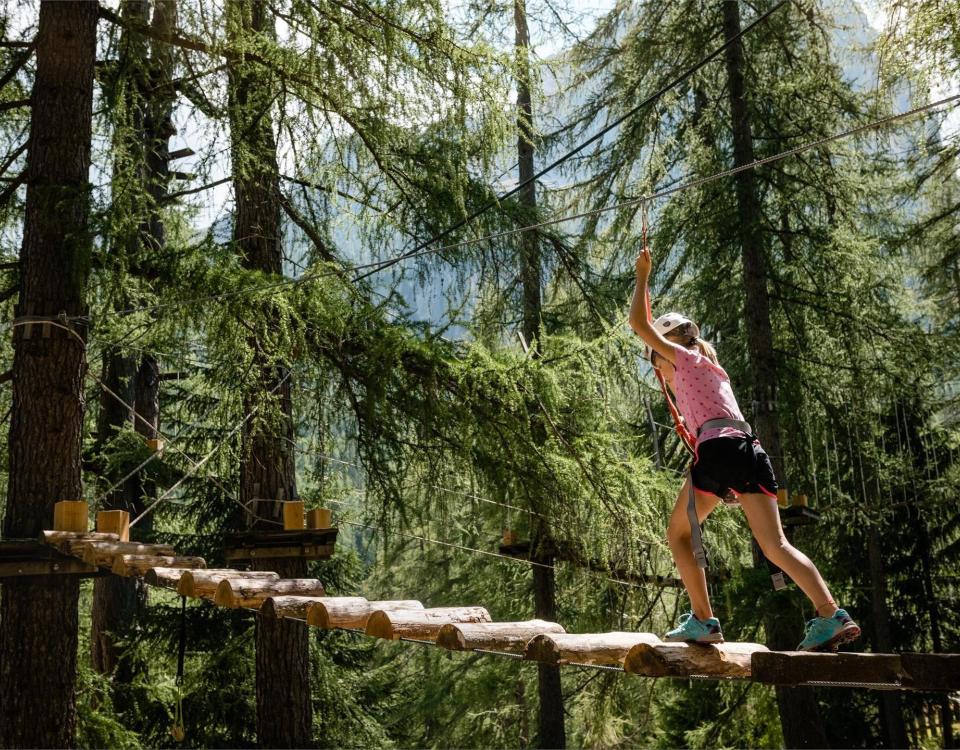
38	617
799	712
551	732
141	157
267	471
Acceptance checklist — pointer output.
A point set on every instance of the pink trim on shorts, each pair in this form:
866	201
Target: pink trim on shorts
767	492
704	492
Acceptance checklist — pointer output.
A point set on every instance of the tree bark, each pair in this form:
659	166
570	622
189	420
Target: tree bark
267	470
551	731
38	618
799	712
116	601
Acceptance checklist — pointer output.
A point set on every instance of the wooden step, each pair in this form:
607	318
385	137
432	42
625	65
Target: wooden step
295	607
608	649
137	565
103	553
493	636
203	583
420	624
352	612
685	659
61	540
241	592
167	578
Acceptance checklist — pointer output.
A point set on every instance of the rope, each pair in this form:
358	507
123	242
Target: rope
531	563
687	185
196	467
595	137
685	436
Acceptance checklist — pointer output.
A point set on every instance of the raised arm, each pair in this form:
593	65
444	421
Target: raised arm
640	320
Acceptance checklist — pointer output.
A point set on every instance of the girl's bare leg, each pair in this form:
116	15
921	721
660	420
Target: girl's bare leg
678	536
764	519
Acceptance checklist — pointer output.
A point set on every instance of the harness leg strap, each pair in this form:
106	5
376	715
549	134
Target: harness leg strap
696	537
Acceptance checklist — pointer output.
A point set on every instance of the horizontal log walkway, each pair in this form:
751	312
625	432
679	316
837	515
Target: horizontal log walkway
471	628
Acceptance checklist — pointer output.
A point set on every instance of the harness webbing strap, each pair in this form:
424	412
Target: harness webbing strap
696	534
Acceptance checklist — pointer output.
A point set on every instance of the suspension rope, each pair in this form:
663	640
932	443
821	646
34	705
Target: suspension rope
419	249
196	467
632	203
686	438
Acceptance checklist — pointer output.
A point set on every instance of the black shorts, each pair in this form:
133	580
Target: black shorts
734	464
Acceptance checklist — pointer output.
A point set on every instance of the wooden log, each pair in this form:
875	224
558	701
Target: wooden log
607	649
138	565
60	540
424	624
167	578
685	659
288	606
203	583
242	592
494	636
352	611
103	553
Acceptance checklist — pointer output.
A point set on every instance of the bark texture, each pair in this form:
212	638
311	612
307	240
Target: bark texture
38	618
799	712
267	471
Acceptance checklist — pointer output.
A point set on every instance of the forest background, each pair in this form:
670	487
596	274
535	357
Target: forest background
239	228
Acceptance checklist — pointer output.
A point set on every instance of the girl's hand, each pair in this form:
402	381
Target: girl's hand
643	264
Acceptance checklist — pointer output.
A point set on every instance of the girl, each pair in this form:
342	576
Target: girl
728	464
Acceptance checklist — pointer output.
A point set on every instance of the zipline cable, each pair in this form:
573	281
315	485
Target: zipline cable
573	152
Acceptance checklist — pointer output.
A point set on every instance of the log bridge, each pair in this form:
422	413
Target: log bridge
472	628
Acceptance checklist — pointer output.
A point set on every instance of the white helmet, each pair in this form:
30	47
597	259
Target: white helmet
672	321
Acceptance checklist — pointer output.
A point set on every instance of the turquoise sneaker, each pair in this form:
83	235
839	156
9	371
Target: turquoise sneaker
827	633
692	630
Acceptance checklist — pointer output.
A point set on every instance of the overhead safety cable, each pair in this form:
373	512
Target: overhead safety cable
662	193
418	250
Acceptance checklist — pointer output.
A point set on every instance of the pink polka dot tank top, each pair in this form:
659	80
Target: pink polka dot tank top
703	392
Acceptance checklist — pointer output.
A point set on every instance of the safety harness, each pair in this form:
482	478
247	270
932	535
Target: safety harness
689	442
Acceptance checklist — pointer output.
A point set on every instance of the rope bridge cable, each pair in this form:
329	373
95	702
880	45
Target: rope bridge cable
664	192
418	250
487	553
687	185
247	417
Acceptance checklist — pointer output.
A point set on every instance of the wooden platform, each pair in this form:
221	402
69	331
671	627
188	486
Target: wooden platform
30	557
308	544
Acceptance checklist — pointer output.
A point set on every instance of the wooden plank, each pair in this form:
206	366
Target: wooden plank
606	649
137	565
511	637
103	553
67	566
685	659
60	540
352	612
799	667
422	624
203	584
306	551
295	607
244	592
907	671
